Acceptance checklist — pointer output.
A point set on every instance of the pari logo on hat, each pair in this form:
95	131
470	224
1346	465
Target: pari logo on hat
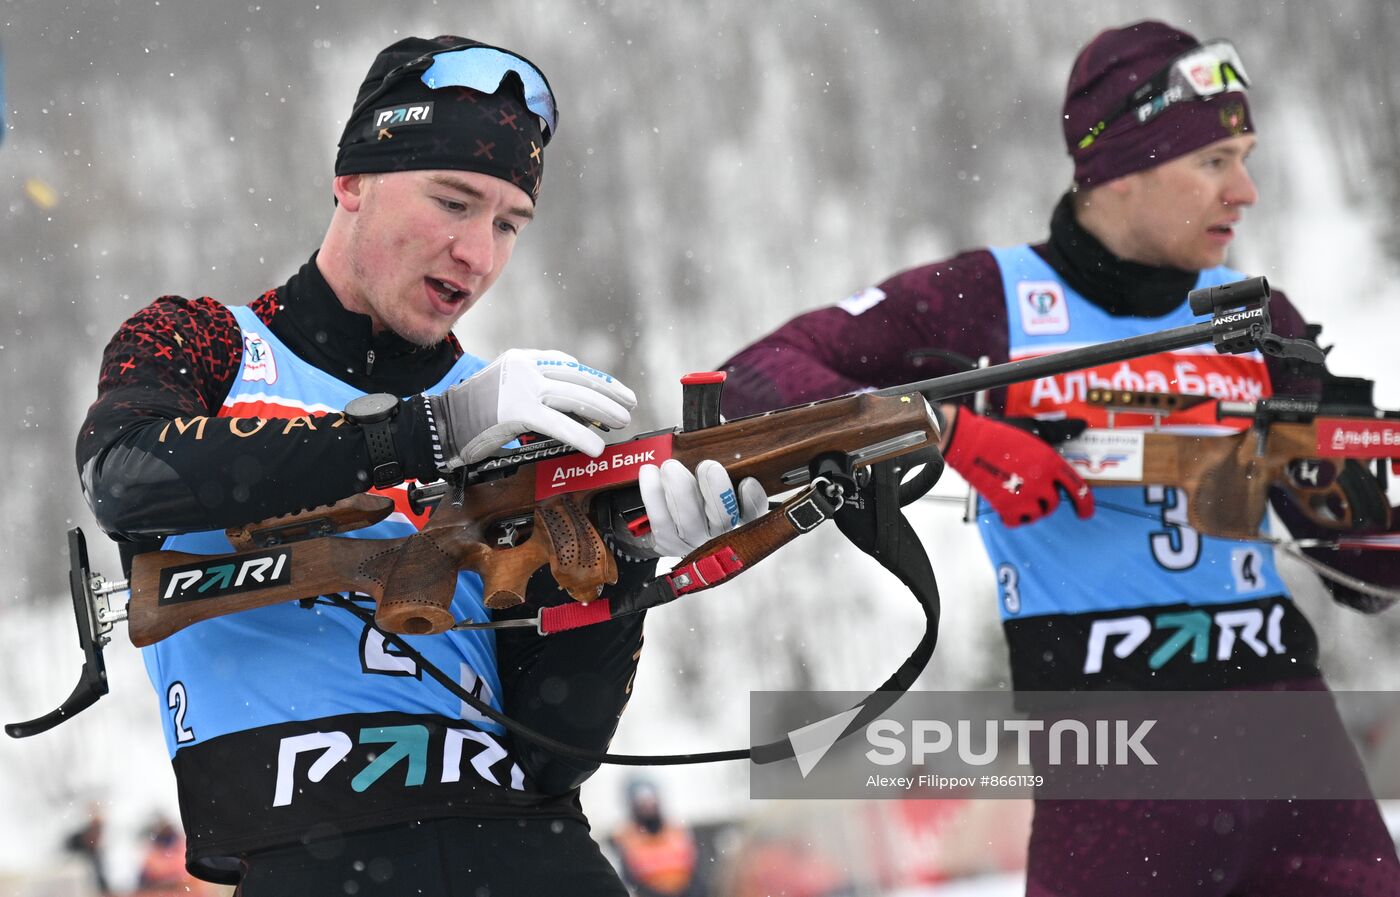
409	114
1043	308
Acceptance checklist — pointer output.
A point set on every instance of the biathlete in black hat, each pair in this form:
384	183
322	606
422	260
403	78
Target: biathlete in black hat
1159	129
312	758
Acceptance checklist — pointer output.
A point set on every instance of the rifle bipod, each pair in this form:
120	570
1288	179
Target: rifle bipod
95	617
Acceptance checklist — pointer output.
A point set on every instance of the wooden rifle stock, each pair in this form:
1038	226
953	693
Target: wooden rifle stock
413	579
1228	482
162	604
1227	478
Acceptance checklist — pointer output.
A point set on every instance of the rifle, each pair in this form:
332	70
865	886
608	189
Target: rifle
1308	448
544	503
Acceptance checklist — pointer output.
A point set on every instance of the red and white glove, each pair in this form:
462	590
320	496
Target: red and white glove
1018	474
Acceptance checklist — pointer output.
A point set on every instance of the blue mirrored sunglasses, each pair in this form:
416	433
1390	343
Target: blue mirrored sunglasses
479	68
484	68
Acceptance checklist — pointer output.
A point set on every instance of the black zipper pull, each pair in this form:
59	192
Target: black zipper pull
369	362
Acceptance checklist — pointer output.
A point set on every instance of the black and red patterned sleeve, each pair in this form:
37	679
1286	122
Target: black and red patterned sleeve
882	336
155	459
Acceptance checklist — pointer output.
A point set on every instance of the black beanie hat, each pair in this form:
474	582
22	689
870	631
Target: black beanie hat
410	126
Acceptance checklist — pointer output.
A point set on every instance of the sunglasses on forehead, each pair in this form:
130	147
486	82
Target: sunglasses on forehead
480	68
1210	69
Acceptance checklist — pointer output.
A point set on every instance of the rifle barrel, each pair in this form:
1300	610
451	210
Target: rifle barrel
1001	375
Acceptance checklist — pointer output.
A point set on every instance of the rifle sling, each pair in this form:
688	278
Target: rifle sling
874	524
719	560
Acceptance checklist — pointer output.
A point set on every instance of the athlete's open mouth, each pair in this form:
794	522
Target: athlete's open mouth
447	291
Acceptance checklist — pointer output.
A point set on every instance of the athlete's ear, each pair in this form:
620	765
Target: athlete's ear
349	190
1124	185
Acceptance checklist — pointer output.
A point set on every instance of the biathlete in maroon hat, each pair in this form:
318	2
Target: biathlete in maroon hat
1143	102
1146	93
1159	130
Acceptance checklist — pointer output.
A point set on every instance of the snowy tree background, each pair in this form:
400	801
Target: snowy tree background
719	168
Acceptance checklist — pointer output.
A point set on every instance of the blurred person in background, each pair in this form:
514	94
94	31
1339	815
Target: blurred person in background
1159	129
163	872
311	757
87	843
793	866
658	855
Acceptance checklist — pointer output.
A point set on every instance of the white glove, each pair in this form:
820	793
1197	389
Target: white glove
687	510
528	390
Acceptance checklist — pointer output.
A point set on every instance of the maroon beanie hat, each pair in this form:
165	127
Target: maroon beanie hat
1106	72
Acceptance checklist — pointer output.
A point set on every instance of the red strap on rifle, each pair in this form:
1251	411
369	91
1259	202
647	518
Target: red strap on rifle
742	547
703	573
710	570
574	615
